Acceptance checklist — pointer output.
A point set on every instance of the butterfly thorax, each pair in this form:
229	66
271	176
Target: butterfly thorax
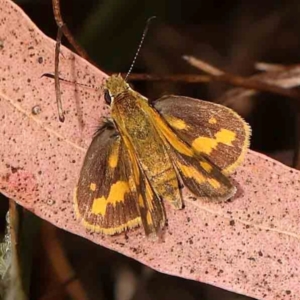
127	110
135	125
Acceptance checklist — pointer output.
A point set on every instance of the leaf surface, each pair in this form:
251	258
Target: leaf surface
250	245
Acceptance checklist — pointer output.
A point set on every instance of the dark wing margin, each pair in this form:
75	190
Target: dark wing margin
212	130
106	196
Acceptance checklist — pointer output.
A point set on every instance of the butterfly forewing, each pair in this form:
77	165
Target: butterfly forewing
106	196
213	130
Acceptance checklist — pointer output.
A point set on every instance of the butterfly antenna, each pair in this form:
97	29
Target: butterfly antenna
140	45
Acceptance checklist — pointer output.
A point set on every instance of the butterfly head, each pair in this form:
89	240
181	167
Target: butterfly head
114	86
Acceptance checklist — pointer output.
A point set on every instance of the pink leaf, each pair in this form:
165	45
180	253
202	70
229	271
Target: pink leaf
250	245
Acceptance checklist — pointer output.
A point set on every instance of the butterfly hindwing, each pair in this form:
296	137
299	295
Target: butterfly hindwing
212	130
202	177
106	196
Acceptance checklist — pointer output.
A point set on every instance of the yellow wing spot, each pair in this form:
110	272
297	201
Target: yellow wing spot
135	221
116	194
93	187
191	172
207	145
212	120
225	136
176	123
204	144
132	184
166	133
206	166
149	195
214	183
114	156
149	218
141	201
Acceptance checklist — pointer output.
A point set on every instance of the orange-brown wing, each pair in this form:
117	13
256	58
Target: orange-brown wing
106	197
212	130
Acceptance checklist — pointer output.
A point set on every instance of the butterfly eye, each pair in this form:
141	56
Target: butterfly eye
107	97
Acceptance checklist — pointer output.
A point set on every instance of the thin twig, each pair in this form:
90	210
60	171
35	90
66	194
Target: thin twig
240	81
63	30
268	67
69	82
188	78
67	33
60	110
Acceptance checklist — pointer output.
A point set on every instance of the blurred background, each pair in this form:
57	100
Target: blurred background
232	36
